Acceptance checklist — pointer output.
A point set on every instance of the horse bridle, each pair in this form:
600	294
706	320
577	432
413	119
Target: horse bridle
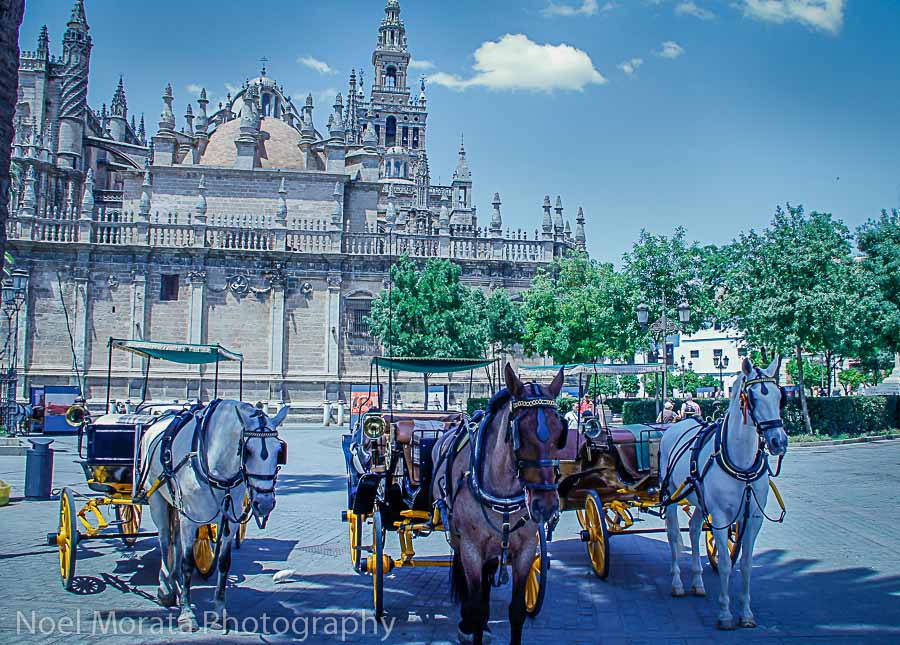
748	406
261	432
543	435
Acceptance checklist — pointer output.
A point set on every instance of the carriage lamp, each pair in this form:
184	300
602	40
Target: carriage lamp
684	312
643	314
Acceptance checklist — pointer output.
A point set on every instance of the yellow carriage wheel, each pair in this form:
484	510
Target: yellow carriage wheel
67	538
242	529
128	518
378	564
205	550
596	535
536	582
355	523
734	543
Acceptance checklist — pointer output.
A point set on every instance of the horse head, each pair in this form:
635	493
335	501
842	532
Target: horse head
537	435
262	455
762	401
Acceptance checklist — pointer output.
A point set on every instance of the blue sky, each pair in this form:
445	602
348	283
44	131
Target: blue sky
648	113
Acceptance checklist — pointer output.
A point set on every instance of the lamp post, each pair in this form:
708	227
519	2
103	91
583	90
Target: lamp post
662	328
682	375
12	293
721	362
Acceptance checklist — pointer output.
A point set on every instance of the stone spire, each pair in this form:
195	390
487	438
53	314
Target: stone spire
547	225
444	216
202	118
580	239
351	119
200	207
281	217
144	208
29	197
308	129
74	88
119	105
189	119
462	172
496	220
337	212
78	21
558	220
167	118
370	139
43	48
423	100
87	198
567	231
141	130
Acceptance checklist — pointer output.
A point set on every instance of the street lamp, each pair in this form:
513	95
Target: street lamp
643	314
721	363
662	328
682	373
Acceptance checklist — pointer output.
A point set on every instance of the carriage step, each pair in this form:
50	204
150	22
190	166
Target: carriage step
585	536
51	539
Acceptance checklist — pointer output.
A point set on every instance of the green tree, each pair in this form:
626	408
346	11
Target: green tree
851	378
603	384
653	384
813	372
691	381
879	241
709	380
505	323
630	384
428	312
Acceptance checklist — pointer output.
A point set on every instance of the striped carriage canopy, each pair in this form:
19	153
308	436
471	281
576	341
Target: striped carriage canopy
429	365
597	368
184	353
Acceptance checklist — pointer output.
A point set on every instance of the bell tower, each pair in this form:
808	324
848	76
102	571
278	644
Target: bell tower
391	57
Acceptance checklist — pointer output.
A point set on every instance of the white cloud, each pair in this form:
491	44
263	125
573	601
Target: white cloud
194	89
586	8
670	49
689	8
421	64
317	65
827	15
232	89
516	63
630	66
321	98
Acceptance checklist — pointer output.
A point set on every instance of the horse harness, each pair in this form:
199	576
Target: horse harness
718	432
506	506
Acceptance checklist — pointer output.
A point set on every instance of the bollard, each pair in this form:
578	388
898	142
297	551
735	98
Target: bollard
38	469
326	413
340	413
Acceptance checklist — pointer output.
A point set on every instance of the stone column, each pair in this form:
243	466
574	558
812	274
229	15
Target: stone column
82	332
278	281
197	281
333	324
23	328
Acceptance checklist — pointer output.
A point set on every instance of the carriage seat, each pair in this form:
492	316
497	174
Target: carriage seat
633	445
405	423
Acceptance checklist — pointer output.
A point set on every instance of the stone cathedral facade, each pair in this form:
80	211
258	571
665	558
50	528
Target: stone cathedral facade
248	225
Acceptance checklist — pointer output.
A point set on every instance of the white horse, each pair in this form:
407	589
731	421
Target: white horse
753	423
201	477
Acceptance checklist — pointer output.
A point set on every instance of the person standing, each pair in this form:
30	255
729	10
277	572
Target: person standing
690	408
667	415
572	417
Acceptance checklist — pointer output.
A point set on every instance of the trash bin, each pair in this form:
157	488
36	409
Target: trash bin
38	469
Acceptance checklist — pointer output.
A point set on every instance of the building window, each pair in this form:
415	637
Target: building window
168	290
358	325
404	141
390	76
415	144
390	131
695	353
378	133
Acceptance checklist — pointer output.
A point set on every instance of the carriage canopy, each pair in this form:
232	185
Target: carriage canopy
430	365
184	353
599	368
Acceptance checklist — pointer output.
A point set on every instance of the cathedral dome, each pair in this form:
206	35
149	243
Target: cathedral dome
278	148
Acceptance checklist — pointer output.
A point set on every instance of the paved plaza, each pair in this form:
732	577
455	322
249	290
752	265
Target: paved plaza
829	574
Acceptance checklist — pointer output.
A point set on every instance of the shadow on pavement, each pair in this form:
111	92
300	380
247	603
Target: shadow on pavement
293	484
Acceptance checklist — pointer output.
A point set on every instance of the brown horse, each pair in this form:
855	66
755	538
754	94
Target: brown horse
494	488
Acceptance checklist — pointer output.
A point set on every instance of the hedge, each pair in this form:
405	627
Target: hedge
852	415
477	403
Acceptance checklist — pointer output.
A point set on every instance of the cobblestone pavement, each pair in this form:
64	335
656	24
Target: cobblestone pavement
829	574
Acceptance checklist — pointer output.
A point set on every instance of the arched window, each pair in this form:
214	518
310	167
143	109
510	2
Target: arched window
390	131
267	104
390	76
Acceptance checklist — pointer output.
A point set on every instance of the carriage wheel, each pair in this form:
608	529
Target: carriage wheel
377	567
536	583
734	544
205	550
355	523
128	518
596	535
242	528
67	538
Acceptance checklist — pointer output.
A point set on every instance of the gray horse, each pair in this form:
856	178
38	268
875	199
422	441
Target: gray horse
513	466
203	475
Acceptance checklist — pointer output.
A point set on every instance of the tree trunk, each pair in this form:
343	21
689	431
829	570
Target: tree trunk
425	377
11	12
803	405
763	355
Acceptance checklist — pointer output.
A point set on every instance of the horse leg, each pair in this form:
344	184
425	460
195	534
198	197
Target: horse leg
187	532
471	625
521	568
487	575
224	567
723	559
159	511
696	529
673	531
745	614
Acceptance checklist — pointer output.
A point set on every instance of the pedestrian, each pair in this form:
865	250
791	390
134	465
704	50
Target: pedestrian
690	408
585	403
667	415
572	417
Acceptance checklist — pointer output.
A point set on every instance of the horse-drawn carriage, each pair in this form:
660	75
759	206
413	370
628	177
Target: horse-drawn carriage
109	452
389	476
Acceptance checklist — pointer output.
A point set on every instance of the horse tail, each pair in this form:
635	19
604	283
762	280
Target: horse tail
458	583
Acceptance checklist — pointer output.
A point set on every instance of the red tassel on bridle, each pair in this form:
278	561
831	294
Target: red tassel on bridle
745	406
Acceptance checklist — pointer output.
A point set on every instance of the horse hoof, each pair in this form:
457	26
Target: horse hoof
166	599
678	593
698	591
726	625
749	622
187	624
486	636
464	638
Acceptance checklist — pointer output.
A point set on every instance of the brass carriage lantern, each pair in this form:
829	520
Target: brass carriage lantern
643	314
684	312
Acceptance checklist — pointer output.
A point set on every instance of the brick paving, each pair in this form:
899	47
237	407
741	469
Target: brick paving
830	574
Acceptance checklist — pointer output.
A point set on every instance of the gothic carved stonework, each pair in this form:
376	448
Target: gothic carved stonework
334	281
238	285
112	281
306	289
196	277
276	277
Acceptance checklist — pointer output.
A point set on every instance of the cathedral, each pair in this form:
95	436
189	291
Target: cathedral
248	225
